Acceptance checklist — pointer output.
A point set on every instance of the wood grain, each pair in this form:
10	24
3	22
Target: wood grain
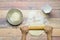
14	34
8	32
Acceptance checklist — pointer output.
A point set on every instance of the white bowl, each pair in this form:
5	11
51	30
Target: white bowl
14	16
46	8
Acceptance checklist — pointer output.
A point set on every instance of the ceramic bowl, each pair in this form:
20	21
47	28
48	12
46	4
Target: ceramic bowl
14	16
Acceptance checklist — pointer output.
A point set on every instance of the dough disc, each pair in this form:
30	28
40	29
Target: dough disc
36	32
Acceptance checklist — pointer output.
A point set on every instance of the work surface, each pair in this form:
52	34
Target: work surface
15	34
9	33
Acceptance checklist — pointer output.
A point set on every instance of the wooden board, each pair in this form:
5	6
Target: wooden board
28	4
54	22
5	32
9	33
15	34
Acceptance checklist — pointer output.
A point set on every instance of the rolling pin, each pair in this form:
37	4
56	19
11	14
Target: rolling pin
37	27
47	29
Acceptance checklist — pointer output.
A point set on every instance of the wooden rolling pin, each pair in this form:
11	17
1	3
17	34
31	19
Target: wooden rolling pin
37	27
47	29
